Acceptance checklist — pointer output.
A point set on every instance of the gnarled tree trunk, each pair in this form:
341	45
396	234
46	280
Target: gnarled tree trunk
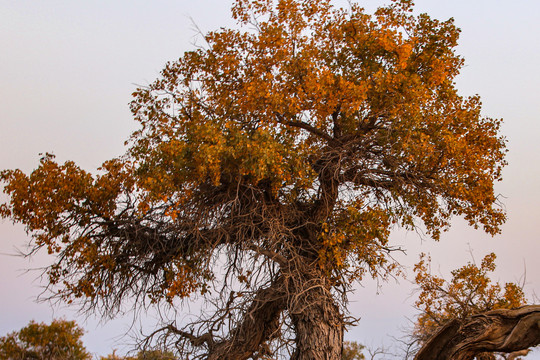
318	325
494	331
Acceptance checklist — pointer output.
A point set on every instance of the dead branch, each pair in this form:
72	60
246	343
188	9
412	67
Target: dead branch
500	330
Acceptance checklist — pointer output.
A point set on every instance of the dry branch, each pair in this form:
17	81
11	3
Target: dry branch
500	330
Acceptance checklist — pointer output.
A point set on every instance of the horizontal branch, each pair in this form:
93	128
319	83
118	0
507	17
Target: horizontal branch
279	259
310	128
500	330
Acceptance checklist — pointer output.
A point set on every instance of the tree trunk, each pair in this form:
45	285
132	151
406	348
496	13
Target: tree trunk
318	325
494	331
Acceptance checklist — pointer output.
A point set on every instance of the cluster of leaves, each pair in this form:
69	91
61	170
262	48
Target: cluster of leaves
61	340
470	291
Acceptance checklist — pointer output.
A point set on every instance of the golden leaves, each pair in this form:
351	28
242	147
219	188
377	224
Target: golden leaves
59	340
356	240
470	291
329	118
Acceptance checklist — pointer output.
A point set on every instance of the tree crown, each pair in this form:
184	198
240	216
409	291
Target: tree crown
60	340
289	147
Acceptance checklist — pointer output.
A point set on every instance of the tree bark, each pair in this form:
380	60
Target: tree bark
260	324
318	325
500	330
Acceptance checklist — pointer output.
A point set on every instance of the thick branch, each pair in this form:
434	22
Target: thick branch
279	259
308	127
260	324
494	331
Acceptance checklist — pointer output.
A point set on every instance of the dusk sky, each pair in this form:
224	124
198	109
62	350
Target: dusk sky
67	71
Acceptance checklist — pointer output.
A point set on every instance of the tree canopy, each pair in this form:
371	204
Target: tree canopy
267	173
61	340
352	351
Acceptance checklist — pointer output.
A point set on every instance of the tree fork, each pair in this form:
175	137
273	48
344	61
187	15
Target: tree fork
499	330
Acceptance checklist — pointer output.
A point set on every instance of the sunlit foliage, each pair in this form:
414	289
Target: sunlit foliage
352	351
470	291
61	340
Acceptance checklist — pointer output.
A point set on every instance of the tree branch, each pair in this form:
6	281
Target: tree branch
499	330
306	126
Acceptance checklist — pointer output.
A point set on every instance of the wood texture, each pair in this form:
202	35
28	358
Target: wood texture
506	331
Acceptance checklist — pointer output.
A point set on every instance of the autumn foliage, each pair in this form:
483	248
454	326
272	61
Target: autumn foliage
267	173
60	340
469	292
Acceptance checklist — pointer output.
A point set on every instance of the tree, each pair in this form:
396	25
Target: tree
155	355
352	351
266	176
469	293
113	356
143	355
61	340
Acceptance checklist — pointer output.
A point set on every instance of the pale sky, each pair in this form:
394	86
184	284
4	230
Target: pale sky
67	69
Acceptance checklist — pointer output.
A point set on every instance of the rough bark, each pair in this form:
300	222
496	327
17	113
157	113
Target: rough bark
318	325
515	355
500	330
260	325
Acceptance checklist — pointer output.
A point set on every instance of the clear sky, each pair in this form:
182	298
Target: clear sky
67	69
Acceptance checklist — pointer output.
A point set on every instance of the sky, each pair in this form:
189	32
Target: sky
67	71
